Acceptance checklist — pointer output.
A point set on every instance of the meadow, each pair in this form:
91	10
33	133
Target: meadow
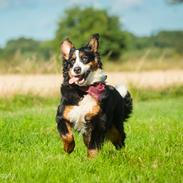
141	60
151	66
31	151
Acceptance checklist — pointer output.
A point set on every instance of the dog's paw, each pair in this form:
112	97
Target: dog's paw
69	143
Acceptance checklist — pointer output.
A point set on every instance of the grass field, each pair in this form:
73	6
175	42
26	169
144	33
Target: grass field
31	151
144	60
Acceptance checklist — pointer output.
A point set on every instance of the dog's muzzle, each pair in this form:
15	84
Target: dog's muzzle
79	79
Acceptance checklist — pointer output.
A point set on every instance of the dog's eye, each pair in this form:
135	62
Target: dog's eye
85	59
72	61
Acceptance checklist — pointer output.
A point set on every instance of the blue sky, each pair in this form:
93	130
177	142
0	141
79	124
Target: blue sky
38	18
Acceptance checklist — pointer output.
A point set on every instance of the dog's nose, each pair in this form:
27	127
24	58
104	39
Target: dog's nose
77	70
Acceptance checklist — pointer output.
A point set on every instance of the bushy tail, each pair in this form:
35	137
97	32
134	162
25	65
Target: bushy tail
122	89
128	102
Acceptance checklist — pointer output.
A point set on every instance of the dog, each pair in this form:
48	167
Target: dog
89	105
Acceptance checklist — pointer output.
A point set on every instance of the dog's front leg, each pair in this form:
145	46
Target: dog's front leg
65	131
68	138
66	134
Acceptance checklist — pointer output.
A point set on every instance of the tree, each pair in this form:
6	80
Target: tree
161	40
169	39
27	47
22	44
78	24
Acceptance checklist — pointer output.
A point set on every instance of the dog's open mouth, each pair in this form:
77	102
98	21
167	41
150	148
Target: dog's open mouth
79	79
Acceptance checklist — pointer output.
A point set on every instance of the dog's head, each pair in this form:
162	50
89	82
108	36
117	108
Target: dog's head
82	66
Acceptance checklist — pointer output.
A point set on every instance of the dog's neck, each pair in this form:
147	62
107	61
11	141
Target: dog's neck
95	84
97	76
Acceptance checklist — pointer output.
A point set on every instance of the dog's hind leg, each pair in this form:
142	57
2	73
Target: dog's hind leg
91	149
93	140
117	137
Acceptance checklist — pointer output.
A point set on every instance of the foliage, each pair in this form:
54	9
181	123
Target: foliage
78	24
163	39
169	39
26	47
31	151
24	54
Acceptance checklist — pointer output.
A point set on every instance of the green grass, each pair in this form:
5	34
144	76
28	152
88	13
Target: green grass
143	94
31	151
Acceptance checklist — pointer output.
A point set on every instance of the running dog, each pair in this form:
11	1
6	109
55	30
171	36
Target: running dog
88	104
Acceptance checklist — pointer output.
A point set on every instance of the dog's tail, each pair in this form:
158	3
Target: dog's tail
128	102
122	89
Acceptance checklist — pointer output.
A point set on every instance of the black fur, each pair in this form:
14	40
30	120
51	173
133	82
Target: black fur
115	110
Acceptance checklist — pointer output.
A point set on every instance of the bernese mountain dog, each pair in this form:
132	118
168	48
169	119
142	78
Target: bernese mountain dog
89	105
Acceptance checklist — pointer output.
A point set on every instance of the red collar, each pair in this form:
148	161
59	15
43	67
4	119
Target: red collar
95	90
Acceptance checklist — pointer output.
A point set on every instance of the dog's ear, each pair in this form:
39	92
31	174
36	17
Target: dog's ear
94	42
65	48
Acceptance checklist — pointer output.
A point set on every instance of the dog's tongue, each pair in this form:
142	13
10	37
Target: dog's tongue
73	80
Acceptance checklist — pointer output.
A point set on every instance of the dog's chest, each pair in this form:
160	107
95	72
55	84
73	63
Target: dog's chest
88	107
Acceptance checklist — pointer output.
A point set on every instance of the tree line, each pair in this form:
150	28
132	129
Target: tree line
78	24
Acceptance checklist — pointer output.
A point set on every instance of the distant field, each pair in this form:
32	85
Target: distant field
49	84
145	60
31	151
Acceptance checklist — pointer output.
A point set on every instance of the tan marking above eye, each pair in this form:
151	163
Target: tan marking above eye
81	54
73	57
93	65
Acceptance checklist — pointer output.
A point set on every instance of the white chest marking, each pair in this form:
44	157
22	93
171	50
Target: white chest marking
78	113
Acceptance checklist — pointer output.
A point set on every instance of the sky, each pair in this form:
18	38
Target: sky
38	18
